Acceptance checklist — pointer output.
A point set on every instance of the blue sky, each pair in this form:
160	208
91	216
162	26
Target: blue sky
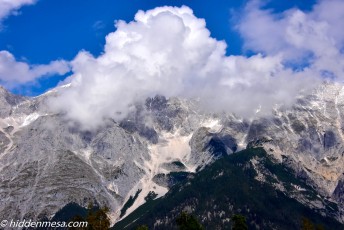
50	30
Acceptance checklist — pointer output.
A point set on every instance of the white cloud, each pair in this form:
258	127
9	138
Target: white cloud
8	7
13	72
169	51
316	36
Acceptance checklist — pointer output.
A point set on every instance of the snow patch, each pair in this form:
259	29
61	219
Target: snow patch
113	187
171	147
29	119
87	154
54	90
18	122
214	125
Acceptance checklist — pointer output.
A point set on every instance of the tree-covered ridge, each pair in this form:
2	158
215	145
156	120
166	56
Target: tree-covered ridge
249	183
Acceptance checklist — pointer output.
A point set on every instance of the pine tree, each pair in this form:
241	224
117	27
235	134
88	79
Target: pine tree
142	227
239	223
98	220
186	221
79	219
307	224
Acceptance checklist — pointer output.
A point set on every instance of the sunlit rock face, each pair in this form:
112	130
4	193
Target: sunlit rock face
47	161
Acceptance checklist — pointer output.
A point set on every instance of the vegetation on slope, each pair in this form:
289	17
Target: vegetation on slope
228	187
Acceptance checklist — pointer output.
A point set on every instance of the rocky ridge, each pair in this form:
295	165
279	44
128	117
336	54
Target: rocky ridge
46	163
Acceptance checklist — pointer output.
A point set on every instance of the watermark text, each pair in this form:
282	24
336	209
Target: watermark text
42	224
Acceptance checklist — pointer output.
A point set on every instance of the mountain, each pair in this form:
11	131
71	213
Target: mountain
250	183
46	162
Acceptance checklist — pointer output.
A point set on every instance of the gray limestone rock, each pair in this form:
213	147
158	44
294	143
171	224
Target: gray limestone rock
46	163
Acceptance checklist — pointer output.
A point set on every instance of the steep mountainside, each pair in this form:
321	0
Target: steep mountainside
249	183
46	162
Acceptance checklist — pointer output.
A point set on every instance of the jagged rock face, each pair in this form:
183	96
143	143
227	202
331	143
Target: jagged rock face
251	183
338	193
207	146
46	163
311	133
7	101
309	136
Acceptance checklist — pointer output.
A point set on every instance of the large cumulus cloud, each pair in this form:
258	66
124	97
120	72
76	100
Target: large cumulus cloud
169	51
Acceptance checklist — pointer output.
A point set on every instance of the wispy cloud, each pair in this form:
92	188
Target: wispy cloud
314	37
98	25
13	72
8	7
